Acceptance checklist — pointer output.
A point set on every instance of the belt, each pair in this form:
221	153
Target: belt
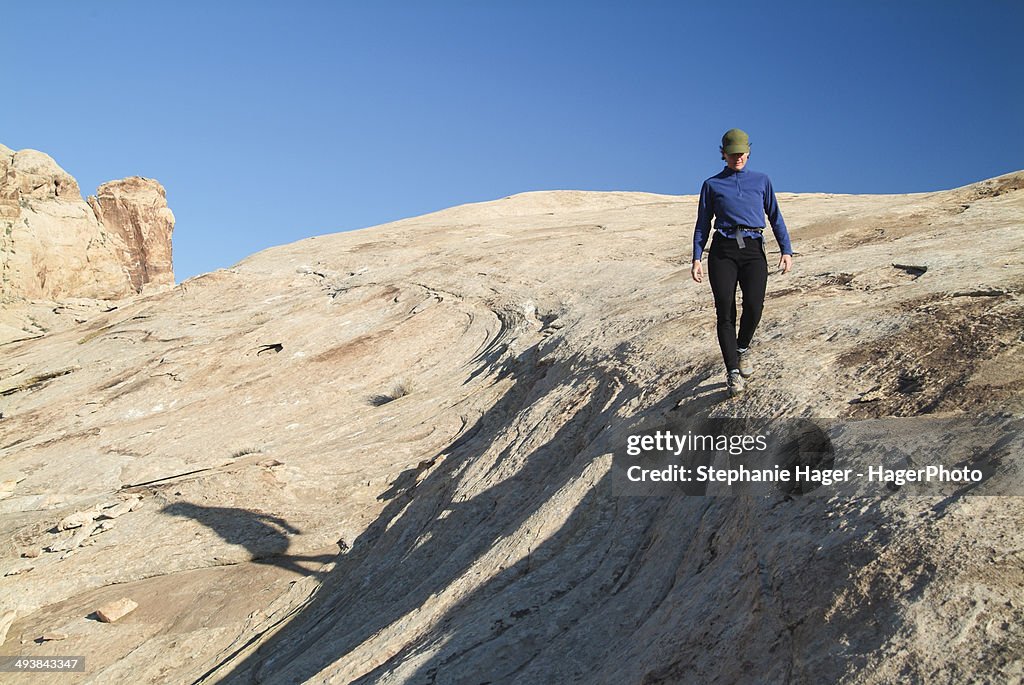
738	233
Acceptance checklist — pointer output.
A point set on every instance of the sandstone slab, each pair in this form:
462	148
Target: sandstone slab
468	528
109	613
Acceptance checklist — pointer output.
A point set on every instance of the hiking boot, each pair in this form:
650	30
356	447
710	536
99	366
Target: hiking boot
734	382
746	367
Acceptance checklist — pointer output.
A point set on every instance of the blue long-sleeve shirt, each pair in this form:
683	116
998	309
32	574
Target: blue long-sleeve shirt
738	198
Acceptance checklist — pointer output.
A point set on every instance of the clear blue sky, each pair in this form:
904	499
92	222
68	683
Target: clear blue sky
272	121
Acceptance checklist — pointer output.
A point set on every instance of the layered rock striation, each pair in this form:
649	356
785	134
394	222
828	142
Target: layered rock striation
386	456
55	245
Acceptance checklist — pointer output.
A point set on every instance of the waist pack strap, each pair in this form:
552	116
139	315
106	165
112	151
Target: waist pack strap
738	234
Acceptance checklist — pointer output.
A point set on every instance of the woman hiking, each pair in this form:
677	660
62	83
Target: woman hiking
738	199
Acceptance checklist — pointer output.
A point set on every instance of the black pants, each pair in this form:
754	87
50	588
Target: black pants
727	266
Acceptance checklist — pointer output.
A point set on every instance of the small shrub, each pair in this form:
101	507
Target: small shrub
400	389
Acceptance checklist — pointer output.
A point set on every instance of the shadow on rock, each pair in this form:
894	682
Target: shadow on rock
544	575
428	538
266	537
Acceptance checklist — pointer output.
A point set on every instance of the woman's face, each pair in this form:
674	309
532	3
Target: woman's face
737	160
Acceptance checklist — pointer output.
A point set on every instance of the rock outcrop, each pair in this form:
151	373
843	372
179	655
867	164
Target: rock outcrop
135	210
386	456
54	245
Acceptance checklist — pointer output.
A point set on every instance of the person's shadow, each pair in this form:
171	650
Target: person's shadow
427	594
392	568
266	537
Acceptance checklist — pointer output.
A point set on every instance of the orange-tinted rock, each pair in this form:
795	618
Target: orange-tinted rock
108	613
54	245
135	209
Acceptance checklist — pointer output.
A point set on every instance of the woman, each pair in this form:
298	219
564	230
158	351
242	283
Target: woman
738	199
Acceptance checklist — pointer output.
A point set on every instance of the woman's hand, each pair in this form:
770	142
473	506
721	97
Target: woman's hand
697	271
786	263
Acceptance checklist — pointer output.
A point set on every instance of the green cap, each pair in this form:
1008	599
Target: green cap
735	141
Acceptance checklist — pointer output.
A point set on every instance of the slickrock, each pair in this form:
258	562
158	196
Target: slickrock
118	509
7	617
72	542
78	519
115	511
438	404
53	637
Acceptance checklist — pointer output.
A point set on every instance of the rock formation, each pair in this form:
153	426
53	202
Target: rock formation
135	209
386	456
54	245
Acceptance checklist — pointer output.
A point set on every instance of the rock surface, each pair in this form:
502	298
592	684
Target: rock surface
135	209
114	611
54	245
384	456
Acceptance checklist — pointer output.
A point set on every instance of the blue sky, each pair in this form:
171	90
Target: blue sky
270	121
